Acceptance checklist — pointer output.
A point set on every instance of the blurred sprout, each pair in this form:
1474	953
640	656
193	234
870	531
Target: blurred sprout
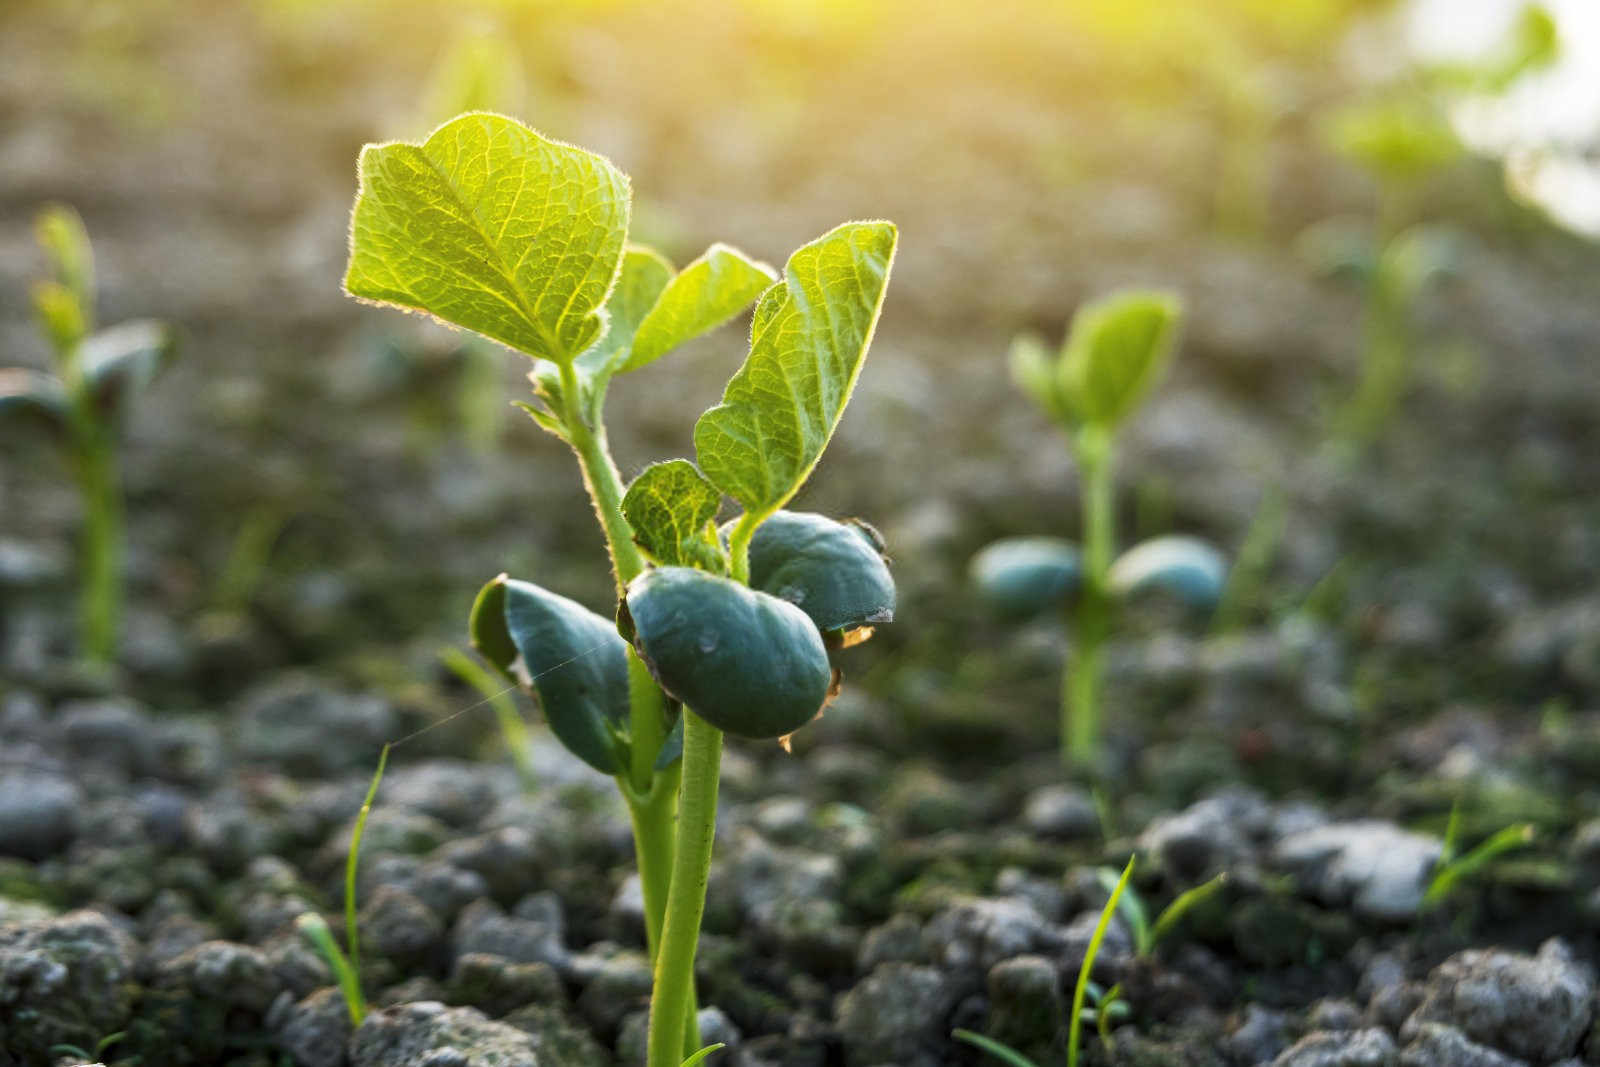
1116	351
1395	140
81	405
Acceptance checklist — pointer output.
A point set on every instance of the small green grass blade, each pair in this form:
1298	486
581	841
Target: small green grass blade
1180	906
1004	1053
1075	1026
314	928
701	1054
352	864
1450	874
498	696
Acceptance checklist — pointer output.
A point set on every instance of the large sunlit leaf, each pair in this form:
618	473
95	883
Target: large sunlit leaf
746	662
1115	353
808	341
706	294
569	657
122	361
489	226
1185	567
673	512
1022	576
833	571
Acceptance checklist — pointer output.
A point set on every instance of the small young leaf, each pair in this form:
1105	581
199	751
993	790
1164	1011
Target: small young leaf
646	273
576	663
1115	353
708	292
1023	576
1186	567
746	662
488	226
1396	139
673	512
29	397
808	341
121	361
61	318
61	233
1034	372
832	571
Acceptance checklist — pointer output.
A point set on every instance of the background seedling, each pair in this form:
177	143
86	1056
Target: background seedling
1115	352
82	405
488	226
1402	138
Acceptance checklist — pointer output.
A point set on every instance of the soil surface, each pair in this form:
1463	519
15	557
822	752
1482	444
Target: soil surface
310	515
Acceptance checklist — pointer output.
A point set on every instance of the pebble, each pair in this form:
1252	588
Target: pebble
1374	866
1533	1007
428	1034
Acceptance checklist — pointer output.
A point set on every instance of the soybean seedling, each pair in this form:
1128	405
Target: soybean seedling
1115	352
81	406
491	227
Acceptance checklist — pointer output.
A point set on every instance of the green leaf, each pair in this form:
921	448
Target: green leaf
706	294
1004	1053
62	319
1115	353
1395	139
488	226
808	341
700	1055
61	233
1186	567
29	397
1034	372
122	361
746	662
1023	576
487	629
646	273
1416	257
833	571
673	512
565	654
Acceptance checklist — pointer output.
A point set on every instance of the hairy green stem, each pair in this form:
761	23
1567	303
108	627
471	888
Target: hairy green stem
1080	707
673	993
600	477
652	795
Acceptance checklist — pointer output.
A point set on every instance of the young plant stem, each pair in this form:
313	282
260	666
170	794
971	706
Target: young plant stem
673	991
652	795
1080	709
673	1032
101	596
600	477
